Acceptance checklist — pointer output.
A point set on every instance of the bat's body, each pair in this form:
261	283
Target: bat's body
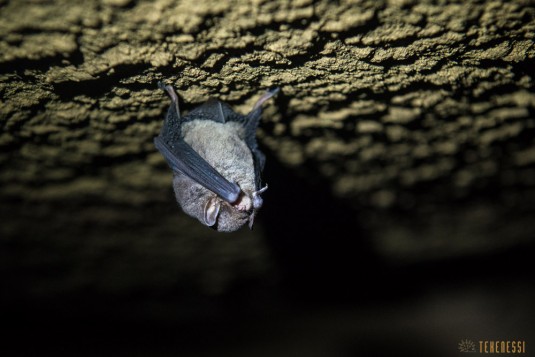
217	153
216	162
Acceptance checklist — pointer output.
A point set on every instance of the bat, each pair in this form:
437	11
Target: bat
215	160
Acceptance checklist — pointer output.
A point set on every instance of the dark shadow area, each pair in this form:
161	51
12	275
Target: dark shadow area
334	296
423	309
320	247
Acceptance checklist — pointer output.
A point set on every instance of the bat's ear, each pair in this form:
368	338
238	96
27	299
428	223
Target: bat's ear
211	211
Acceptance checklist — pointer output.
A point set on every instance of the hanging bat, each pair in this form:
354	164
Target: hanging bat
216	161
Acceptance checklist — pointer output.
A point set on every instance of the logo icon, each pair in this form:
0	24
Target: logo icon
467	346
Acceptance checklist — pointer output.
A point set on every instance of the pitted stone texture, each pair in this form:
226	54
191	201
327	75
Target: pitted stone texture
401	105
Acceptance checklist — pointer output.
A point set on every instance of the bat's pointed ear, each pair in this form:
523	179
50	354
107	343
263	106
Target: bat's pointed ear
211	211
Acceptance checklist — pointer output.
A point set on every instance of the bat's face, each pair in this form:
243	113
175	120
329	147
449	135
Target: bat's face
231	218
213	211
226	217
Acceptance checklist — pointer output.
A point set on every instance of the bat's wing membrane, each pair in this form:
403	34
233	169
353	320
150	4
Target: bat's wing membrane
214	110
183	159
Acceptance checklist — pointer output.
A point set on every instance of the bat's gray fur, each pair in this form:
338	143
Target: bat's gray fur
224	141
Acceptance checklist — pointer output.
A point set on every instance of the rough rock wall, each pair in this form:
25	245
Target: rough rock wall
419	114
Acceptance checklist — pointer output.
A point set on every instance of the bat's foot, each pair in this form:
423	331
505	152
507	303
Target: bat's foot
171	91
269	93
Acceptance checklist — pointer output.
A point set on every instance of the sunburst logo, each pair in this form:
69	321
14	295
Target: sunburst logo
467	346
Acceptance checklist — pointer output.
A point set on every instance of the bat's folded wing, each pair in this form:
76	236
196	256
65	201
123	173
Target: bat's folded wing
183	159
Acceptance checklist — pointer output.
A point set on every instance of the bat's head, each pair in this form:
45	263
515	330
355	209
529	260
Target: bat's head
211	210
228	217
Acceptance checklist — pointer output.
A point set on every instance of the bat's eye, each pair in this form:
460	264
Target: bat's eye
211	211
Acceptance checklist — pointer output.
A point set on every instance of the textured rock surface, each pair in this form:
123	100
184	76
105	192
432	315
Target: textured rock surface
420	115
